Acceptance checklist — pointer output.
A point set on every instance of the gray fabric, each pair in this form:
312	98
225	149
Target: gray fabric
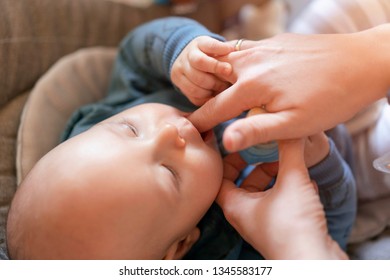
3	255
375	249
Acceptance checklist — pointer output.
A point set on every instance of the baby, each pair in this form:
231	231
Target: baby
106	192
135	179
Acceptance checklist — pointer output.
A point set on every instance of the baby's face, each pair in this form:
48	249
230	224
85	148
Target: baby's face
134	183
159	164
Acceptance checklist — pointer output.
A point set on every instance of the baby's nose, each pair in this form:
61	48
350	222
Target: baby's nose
169	135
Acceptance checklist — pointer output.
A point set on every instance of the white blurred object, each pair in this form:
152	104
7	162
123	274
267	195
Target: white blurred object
259	21
383	163
183	7
263	21
371	143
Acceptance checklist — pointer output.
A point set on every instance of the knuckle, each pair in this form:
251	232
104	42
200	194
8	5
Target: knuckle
200	80
195	59
192	91
197	101
256	132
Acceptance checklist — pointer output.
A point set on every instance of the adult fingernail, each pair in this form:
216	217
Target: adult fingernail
236	141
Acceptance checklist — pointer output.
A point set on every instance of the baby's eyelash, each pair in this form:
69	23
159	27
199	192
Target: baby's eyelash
174	173
129	125
133	129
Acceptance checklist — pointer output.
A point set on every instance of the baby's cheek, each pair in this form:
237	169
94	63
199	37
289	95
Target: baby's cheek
208	169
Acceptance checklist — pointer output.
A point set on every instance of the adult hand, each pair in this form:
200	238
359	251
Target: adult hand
195	71
284	222
308	83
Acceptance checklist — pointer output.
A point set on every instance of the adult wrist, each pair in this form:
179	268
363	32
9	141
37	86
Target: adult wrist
380	41
309	248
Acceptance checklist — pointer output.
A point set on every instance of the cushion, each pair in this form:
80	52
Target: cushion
9	122
75	80
35	35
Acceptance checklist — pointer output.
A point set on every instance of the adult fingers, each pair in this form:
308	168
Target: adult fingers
229	195
260	178
230	198
233	164
204	80
255	129
224	106
194	93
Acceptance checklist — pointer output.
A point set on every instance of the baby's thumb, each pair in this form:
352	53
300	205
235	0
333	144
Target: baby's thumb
214	47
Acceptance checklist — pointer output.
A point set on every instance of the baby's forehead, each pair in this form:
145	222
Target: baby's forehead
153	107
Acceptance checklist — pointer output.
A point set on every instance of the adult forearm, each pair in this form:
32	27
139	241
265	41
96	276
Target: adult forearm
382	33
375	44
309	248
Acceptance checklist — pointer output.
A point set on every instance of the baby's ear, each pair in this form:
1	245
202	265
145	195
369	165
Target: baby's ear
181	246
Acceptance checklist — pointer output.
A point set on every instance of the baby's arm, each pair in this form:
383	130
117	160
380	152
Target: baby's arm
336	187
146	55
195	71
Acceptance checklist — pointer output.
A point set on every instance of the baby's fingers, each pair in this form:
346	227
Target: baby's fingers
209	64
205	80
260	177
214	47
197	95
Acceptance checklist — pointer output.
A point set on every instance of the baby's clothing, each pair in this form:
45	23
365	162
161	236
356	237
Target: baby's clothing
141	74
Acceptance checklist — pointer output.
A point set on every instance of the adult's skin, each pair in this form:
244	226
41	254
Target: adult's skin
308	83
286	221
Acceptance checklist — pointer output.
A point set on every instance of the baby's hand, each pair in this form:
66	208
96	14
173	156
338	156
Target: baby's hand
316	149
195	71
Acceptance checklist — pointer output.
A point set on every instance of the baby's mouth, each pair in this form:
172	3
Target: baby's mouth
207	135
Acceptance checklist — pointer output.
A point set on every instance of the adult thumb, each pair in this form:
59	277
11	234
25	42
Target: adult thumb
229	198
256	129
292	167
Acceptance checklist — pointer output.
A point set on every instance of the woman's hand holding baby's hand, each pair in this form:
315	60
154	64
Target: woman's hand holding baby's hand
195	71
286	221
295	76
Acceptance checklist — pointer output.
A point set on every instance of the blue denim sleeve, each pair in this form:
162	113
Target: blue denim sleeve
337	191
146	55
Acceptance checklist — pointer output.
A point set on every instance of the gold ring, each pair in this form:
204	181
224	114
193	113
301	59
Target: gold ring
237	46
